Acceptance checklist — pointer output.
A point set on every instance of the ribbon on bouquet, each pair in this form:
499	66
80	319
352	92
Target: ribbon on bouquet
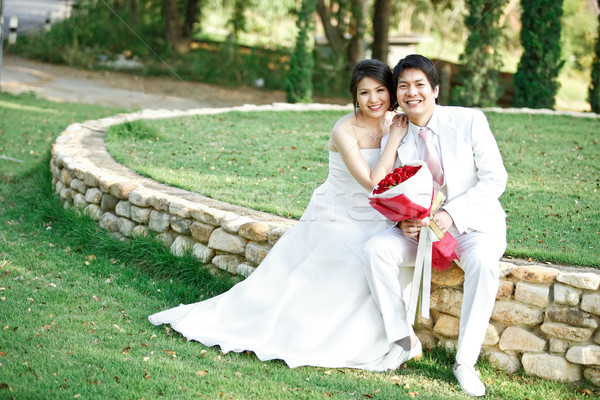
421	286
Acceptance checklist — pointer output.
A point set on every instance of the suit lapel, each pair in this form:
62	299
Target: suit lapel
407	151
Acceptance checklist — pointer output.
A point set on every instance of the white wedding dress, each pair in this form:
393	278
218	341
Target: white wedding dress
308	303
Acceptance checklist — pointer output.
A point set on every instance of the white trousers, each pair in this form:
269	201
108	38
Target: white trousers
390	266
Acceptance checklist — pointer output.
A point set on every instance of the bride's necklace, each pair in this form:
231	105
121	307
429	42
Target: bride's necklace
369	129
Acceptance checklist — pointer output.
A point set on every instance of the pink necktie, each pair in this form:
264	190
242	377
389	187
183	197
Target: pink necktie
431	156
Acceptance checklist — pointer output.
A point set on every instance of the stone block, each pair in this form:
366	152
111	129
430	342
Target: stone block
254	231
207	215
93	211
551	367
566	295
504	362
256	252
201	231
245	270
166	238
570	316
231	223
159	201
592	374
106	181
505	290
139	197
491	336
452	276
566	332
65	177
79	201
126	226
582	280
109	221
514	313
180	208
535	273
227	262
203	253
108	202
181	225
590	302
141	230
93	195
123	209
141	215
558	346
91	178
533	293
121	190
446	300
515	338
221	240
427	339
447	325
181	245
505	268
159	221
585	355
78	185
276	234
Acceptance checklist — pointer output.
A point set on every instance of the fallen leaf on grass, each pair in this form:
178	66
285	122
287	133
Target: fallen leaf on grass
146	376
327	372
3	354
126	350
202	373
239	374
4	385
413	394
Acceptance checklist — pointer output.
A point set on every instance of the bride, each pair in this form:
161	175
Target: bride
308	303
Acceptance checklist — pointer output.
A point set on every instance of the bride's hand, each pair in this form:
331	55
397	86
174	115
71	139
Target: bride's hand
400	120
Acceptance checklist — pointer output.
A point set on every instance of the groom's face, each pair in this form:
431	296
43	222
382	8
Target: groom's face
416	96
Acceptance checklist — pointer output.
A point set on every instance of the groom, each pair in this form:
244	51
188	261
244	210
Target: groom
466	163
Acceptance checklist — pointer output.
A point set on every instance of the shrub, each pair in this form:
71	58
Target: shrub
478	83
536	81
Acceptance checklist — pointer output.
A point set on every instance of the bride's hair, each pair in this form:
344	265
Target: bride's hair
377	70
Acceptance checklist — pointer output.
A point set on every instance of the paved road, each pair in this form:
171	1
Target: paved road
62	83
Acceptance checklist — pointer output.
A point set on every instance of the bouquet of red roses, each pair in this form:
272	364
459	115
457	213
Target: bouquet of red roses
408	193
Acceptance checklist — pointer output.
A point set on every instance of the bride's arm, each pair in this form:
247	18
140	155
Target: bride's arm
347	145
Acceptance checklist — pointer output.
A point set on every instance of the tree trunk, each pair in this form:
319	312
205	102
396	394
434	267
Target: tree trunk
356	47
381	28
191	16
334	36
133	9
173	30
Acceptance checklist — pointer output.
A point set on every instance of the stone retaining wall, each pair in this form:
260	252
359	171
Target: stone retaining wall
545	319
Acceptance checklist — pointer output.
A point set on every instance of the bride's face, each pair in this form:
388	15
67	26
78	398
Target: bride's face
373	98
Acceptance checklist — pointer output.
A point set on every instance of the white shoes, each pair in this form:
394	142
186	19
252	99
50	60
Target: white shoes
468	380
398	356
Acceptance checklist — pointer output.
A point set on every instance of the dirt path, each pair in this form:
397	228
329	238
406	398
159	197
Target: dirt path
63	83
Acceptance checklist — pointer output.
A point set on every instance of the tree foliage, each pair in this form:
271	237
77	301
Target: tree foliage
299	87
478	79
536	80
344	23
594	90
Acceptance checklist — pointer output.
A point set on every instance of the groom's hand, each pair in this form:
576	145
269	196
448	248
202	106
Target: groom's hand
412	227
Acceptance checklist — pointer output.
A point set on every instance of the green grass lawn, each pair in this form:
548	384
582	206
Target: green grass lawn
272	161
74	304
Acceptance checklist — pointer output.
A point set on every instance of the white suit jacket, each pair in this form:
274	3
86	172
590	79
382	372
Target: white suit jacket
474	173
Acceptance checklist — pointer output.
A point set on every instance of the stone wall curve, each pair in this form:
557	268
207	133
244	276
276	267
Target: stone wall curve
546	318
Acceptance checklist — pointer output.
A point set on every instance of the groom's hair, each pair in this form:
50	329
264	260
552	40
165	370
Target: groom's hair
417	61
377	70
